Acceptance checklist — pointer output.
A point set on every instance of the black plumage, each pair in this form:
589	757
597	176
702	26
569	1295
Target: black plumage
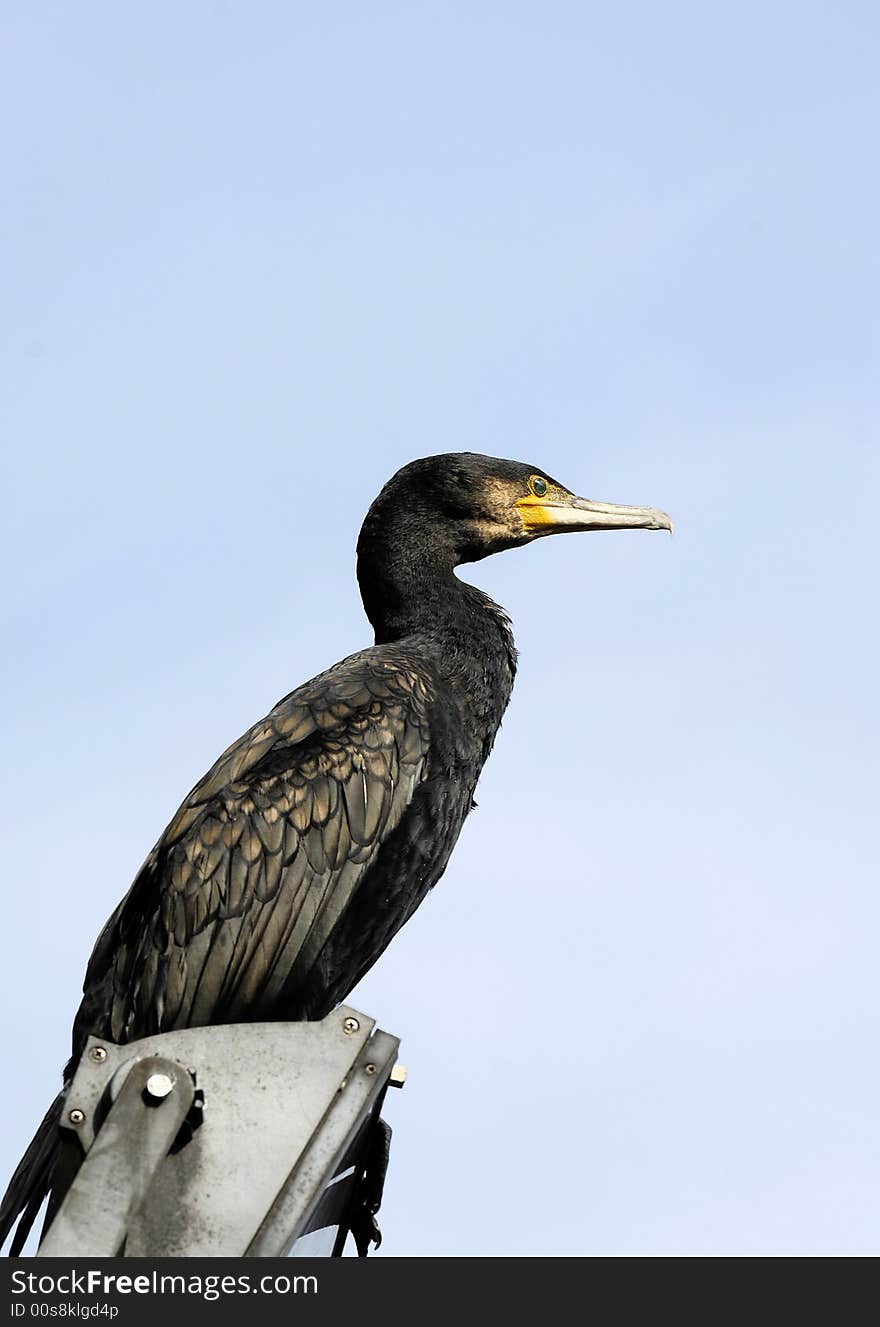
294	861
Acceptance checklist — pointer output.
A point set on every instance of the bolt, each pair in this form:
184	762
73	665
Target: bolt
76	1117
398	1076
350	1025
369	1068
159	1086
98	1054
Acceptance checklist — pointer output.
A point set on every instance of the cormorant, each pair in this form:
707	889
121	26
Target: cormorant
293	862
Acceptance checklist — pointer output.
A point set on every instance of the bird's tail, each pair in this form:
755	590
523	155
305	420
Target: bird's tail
32	1179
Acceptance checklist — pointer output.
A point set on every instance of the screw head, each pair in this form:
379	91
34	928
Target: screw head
159	1086
350	1025
76	1117
98	1054
369	1068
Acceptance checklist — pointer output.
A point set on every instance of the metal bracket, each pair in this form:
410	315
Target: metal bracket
119	1167
286	1106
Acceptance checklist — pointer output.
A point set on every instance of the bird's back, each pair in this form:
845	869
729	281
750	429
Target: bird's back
293	862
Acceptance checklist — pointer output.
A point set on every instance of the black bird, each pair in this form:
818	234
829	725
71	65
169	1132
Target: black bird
305	848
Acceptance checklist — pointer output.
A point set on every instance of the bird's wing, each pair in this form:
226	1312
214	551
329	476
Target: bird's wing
243	890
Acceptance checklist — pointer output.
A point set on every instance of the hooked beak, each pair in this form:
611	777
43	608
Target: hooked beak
557	513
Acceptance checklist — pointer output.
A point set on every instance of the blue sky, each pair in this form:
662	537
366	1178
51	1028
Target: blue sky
258	256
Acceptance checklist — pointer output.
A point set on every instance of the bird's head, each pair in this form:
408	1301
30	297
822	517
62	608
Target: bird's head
468	506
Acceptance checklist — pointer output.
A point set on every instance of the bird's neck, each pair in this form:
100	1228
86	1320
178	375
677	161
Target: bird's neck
417	596
407	590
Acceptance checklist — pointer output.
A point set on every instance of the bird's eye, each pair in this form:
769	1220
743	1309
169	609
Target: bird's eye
539	486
